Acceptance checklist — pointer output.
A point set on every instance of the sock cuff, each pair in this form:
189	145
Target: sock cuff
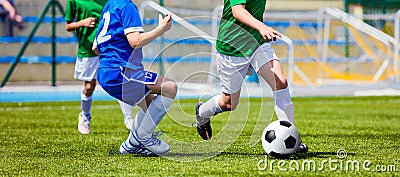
282	91
85	98
218	109
216	98
166	100
282	95
162	102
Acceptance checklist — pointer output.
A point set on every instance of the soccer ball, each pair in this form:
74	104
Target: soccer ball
280	139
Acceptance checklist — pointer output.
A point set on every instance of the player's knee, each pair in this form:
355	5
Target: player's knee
281	84
228	106
170	88
89	88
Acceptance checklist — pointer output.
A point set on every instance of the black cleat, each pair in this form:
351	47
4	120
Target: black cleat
303	148
205	130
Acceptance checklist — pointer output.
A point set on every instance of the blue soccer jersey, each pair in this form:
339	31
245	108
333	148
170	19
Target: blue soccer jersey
121	72
119	18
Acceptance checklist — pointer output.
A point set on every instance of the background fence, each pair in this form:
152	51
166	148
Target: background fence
351	55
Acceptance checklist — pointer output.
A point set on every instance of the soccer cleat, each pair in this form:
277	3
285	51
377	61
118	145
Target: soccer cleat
205	130
153	144
135	149
83	124
303	148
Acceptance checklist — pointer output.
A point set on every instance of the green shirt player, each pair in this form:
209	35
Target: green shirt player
83	16
243	43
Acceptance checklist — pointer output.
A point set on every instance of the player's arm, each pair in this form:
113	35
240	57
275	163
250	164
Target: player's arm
88	22
11	9
242	15
94	47
138	40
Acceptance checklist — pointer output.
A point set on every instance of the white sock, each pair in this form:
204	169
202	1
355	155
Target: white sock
209	109
86	105
127	112
154	114
138	119
284	108
136	122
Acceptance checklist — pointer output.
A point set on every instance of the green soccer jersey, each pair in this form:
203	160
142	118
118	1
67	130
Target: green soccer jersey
236	38
77	10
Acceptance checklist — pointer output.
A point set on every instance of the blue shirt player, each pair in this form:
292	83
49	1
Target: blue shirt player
119	43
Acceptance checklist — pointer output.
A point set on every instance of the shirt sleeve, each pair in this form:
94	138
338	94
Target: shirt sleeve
237	2
70	11
131	21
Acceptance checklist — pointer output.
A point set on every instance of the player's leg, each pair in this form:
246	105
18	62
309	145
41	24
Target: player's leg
142	111
166	90
214	106
86	97
272	72
86	70
283	105
127	112
267	65
231	71
132	93
8	23
132	144
86	105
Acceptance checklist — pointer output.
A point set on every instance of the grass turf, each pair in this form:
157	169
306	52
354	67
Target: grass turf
41	139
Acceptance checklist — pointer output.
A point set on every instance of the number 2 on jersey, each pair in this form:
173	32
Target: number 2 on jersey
102	35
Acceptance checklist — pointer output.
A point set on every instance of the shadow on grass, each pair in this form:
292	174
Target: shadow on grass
308	155
321	155
169	154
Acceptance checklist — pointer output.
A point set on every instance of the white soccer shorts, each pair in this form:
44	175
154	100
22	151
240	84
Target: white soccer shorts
86	68
232	70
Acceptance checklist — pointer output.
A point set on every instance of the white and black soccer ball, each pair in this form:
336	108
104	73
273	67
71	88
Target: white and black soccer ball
280	139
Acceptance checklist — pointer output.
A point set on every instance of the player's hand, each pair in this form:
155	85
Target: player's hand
89	22
269	34
94	49
12	14
166	22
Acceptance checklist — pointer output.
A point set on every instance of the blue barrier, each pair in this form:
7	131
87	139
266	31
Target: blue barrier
146	21
188	41
36	39
173	59
153	21
71	59
46	39
38	59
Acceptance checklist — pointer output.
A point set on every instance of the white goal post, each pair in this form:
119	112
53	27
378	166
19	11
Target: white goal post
325	16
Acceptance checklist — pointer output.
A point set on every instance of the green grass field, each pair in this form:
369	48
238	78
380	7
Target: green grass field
41	139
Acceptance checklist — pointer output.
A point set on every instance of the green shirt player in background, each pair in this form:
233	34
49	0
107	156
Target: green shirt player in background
83	16
243	42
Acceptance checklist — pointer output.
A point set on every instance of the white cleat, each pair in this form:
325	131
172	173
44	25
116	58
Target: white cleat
134	149
154	144
83	124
